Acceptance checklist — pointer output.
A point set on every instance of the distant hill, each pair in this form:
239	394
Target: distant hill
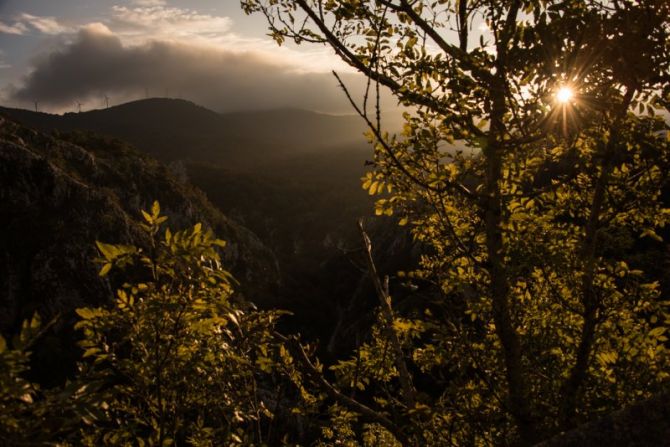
174	129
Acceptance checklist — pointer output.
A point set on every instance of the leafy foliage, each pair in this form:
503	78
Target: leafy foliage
16	393
535	210
544	317
177	360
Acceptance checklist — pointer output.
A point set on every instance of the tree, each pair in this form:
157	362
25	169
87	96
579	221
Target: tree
524	168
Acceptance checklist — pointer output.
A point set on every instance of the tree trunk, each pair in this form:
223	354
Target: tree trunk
518	398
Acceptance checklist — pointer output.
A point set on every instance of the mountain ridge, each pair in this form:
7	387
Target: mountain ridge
175	129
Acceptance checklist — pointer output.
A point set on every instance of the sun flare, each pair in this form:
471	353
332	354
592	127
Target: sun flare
564	94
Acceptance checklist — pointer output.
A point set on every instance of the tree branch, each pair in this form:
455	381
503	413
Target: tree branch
353	60
362	409
409	393
389	151
571	387
451	50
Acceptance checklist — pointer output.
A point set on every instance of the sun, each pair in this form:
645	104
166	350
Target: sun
564	95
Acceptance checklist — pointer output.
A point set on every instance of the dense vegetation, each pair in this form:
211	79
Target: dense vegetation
176	359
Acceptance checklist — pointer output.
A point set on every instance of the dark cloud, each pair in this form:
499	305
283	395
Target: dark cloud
97	63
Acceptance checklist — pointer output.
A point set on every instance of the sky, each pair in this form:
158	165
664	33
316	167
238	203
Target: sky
60	55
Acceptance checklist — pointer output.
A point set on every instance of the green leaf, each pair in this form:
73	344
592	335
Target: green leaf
657	332
36	321
90	352
86	313
373	188
110	252
105	269
648	232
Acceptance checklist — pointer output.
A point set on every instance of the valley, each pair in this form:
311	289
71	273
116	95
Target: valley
290	177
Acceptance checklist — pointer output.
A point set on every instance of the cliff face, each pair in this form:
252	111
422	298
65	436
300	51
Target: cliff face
59	194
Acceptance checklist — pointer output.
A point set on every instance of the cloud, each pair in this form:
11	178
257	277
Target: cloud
3	63
163	22
139	25
17	28
24	22
148	2
97	62
46	25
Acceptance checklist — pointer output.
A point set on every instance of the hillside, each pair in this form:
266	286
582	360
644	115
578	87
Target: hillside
61	193
292	176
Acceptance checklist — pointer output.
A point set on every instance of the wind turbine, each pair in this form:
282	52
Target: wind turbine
107	101
36	110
